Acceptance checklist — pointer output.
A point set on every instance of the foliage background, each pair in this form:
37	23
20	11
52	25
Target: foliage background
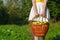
17	12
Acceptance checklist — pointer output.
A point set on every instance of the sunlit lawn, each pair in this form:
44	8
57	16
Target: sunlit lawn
23	32
54	32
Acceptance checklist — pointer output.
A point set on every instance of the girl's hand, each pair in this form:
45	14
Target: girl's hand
36	15
43	15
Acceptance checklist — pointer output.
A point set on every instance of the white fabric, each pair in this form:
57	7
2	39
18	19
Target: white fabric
41	19
40	10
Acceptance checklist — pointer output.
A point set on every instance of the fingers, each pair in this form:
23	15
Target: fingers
43	15
36	15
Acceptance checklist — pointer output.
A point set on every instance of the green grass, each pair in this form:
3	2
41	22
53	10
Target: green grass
53	32
14	32
23	32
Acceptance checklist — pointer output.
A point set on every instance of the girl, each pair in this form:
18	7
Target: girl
39	9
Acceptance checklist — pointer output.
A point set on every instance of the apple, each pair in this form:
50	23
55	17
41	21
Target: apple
34	22
44	22
39	22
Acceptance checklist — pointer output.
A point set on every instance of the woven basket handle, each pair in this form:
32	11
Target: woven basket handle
41	18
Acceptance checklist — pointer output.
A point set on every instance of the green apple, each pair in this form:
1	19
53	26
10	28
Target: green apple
45	22
36	22
39	22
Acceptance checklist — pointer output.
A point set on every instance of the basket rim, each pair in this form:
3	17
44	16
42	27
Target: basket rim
41	24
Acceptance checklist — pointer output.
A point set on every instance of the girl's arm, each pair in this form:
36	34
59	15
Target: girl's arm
44	8
35	7
45	2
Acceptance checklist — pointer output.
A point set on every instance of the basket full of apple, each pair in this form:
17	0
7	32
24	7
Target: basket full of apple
40	26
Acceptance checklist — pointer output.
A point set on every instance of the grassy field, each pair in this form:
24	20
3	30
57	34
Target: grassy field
23	32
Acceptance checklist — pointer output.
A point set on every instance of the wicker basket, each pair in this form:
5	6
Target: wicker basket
39	29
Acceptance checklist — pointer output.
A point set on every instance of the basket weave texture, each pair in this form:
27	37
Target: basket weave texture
39	29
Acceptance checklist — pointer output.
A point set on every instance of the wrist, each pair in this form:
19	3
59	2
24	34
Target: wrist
36	12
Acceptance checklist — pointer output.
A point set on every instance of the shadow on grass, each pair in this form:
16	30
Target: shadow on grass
19	24
56	38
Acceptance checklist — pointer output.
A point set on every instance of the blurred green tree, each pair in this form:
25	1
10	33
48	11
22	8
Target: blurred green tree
17	11
3	13
54	10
